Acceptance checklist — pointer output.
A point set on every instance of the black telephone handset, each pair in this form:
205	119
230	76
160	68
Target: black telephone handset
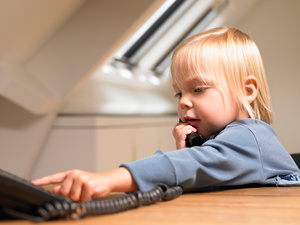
20	199
194	139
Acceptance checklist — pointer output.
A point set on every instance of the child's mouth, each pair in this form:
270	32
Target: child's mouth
193	122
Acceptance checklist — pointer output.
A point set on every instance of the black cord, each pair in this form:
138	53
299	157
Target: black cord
108	206
58	210
130	201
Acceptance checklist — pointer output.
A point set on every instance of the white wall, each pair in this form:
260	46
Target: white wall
102	143
22	135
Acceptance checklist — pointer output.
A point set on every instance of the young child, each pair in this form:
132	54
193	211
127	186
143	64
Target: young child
219	80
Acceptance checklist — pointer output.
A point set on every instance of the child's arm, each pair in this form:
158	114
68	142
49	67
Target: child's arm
180	132
80	185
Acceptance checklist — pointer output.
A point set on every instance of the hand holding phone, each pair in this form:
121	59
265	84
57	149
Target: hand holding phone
194	139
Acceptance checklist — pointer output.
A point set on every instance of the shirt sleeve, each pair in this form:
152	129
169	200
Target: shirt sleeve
232	158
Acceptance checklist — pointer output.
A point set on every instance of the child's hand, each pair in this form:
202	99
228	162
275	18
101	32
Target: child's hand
180	131
80	185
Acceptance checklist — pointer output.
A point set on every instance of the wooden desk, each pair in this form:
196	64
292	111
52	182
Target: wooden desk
267	205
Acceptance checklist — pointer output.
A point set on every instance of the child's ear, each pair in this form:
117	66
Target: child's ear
251	88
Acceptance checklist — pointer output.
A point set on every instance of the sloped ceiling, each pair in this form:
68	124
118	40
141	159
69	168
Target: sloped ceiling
26	25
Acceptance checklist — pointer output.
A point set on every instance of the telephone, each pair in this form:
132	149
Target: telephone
20	199
194	139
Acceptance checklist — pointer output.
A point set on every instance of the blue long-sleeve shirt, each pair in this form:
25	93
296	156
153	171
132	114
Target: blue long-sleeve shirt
245	152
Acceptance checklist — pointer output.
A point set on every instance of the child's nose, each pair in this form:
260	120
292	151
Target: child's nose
185	102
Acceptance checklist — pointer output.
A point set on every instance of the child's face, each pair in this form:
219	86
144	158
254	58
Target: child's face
205	107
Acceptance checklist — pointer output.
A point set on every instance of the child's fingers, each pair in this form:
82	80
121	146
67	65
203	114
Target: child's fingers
183	130
66	186
75	190
52	179
178	129
56	189
86	193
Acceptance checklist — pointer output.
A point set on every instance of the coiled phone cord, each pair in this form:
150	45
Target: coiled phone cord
108	206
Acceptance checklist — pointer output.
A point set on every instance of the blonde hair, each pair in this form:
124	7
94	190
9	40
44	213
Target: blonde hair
227	56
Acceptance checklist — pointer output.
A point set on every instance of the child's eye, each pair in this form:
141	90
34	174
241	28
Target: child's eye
178	95
199	90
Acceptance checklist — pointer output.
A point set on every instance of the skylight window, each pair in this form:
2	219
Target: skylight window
148	52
